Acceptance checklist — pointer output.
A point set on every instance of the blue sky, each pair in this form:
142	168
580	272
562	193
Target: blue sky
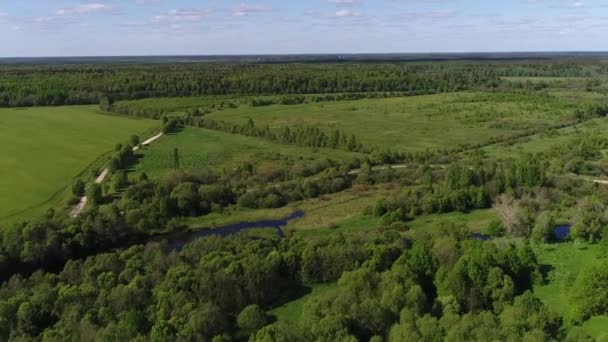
170	27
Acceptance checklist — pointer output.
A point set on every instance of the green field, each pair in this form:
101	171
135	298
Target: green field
476	221
417	123
203	148
46	148
543	142
565	261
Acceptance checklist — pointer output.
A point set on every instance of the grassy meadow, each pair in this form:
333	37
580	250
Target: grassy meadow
417	123
203	148
45	148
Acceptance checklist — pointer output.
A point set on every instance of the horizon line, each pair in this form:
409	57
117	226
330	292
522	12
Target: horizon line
316	54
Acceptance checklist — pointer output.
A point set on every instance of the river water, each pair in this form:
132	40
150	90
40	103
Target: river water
180	239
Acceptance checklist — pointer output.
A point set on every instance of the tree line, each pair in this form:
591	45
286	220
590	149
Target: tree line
300	135
41	85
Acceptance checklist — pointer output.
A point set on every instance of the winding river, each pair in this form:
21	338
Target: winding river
179	239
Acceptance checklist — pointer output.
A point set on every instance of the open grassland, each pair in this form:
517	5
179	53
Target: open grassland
476	221
565	260
45	149
202	148
417	123
545	141
546	79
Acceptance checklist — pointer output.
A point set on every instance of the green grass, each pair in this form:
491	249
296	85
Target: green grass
330	214
338	212
566	260
417	123
292	311
475	221
203	148
45	148
544	142
545	79
597	327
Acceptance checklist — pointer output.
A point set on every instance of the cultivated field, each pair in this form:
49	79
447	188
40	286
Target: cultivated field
45	149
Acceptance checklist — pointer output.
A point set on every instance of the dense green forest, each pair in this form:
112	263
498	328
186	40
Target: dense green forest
33	85
459	242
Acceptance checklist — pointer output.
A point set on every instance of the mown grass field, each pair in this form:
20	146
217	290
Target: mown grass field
202	148
417	123
44	149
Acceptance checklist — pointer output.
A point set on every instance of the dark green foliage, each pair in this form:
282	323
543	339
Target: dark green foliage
591	220
171	125
590	292
95	194
176	158
91	84
134	140
120	180
544	227
105	103
252	318
295	135
78	188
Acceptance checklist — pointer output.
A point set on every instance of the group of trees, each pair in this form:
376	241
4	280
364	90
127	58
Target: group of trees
148	205
222	288
296	135
464	187
289	100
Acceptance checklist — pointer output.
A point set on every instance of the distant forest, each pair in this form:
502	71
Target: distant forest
75	84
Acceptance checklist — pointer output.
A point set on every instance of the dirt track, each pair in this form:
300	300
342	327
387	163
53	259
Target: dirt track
78	208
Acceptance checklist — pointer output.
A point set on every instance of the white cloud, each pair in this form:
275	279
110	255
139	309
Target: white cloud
244	9
84	9
177	16
577	4
344	13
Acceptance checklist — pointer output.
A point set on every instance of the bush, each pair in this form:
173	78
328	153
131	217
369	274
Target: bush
252	318
544	227
78	188
590	292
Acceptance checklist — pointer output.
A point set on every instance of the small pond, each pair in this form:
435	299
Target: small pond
562	232
480	237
